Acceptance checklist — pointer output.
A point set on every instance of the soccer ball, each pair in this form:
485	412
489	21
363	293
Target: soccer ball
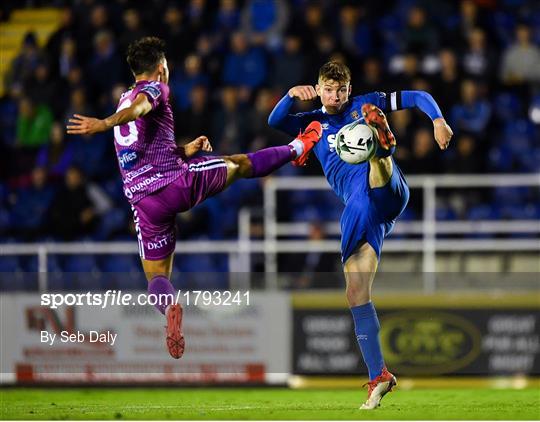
356	142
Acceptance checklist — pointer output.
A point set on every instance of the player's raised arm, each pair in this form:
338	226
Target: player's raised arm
291	123
84	125
424	101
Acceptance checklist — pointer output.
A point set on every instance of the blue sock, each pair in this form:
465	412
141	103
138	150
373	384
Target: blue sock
366	328
381	152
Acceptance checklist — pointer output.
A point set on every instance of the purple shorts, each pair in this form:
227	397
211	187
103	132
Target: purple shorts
155	215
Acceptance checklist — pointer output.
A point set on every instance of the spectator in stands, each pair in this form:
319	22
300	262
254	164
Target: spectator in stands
184	80
402	127
9	104
448	81
206	48
355	32
470	18
262	134
264	21
419	36
194	121
33	123
370	78
289	66
521	61
479	61
176	34
66	59
325	47
229	125
312	24
78	103
133	29
113	99
316	268
465	159
244	66
227	18
473	113
29	207
74	79
197	16
105	68
26	61
95	156
425	160
72	213
66	30
406	69
57	156
93	19
41	88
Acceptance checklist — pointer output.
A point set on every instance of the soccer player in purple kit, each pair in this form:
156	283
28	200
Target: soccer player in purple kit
162	179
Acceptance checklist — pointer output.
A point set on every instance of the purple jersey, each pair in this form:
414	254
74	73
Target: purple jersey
146	148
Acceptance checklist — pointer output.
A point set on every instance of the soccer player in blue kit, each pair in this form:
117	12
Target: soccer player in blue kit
374	192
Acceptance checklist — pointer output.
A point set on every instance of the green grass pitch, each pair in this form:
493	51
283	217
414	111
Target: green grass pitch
264	403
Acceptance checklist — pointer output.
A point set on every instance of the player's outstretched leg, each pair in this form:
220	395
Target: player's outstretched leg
158	274
375	117
360	269
390	192
381	165
263	162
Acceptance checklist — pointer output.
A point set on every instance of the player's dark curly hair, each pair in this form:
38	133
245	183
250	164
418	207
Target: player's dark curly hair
145	54
335	71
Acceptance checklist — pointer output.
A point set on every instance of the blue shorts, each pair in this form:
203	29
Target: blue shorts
370	214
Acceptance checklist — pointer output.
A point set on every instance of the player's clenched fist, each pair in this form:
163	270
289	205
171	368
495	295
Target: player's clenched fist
443	133
303	92
199	144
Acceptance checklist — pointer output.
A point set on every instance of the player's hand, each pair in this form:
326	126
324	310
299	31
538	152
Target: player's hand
82	125
199	144
443	132
303	92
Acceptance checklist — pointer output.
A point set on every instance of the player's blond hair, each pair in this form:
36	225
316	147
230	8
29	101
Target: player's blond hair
334	71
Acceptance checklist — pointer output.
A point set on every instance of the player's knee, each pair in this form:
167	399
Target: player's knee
380	171
246	168
358	294
239	165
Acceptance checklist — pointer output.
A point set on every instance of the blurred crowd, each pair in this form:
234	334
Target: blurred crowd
230	62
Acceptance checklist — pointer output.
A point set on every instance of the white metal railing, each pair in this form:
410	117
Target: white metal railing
239	251
429	227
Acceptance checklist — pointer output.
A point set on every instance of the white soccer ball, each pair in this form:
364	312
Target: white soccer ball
356	142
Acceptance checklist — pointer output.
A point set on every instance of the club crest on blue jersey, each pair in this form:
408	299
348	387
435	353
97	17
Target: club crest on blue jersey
127	158
355	115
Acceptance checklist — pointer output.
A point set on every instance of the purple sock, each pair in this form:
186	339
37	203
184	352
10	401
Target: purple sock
267	160
158	286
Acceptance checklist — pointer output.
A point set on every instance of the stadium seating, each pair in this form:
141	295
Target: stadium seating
507	144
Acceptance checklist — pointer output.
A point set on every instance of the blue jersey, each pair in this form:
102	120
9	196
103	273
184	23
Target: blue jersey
346	178
369	214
